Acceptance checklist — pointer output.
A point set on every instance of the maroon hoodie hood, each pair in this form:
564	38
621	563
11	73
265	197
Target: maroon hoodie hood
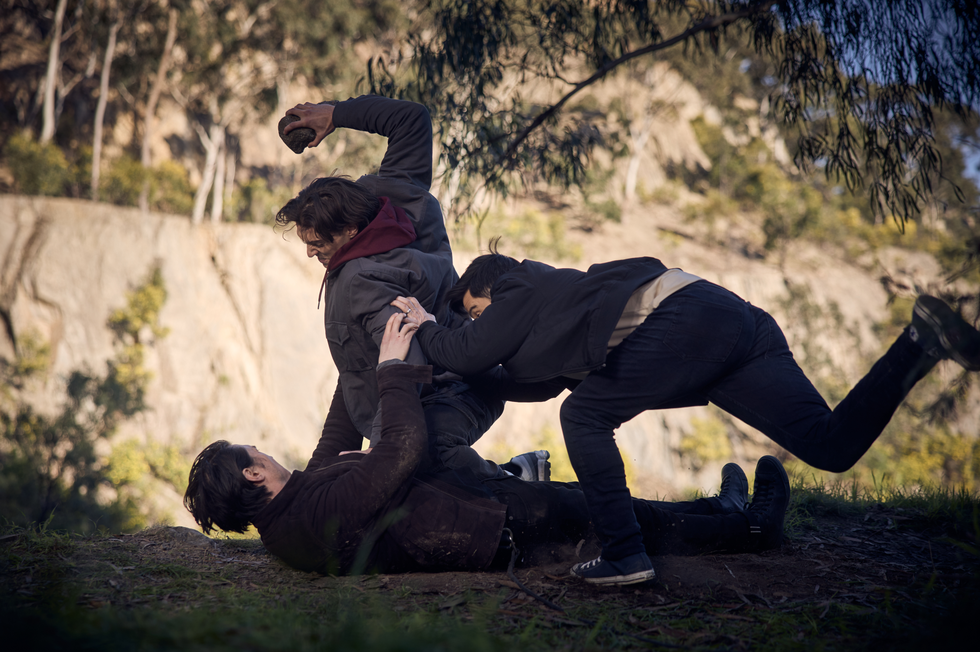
392	228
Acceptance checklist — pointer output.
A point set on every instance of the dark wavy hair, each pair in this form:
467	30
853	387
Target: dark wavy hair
217	492
329	205
480	276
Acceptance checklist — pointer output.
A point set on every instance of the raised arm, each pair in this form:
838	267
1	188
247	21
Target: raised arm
358	496
406	125
339	433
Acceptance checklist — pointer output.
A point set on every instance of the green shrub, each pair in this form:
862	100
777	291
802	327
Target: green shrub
132	463
530	234
122	182
38	169
707	442
715	205
254	201
170	189
51	471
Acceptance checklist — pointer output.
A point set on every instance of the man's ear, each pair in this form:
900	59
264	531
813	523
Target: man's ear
254	474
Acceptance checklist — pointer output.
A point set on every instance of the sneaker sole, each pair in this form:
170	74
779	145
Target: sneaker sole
544	470
535	469
929	315
619	580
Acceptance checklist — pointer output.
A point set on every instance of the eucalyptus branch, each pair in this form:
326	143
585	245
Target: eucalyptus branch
707	24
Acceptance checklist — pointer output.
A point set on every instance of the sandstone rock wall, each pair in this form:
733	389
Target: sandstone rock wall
245	358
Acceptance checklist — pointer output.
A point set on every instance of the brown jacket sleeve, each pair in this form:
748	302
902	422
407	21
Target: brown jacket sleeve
357	498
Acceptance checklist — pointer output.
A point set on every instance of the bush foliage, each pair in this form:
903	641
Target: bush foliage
53	467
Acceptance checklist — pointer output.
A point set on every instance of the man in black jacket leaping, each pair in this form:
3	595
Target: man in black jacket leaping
632	335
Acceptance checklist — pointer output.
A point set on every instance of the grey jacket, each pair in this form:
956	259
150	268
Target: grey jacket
359	292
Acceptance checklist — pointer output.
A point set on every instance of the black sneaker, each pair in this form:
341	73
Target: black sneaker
533	466
734	493
632	570
770	497
943	334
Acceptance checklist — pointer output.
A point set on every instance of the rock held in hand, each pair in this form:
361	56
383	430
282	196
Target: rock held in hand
297	139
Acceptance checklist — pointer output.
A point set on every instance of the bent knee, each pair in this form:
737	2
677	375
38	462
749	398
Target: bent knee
571	414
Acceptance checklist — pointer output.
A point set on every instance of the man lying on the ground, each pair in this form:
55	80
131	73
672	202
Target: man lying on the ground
378	237
361	512
641	337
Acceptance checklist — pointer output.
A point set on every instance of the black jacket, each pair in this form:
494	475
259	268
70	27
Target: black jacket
542	322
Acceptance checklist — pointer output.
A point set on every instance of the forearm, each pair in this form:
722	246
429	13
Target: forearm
370	486
462	350
338	434
406	125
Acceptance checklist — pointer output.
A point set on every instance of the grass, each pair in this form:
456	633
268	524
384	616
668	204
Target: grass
921	507
60	591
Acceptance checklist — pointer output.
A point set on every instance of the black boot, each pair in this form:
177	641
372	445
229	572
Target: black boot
733	496
770	497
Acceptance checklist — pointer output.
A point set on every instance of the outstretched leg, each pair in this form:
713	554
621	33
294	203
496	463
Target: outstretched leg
770	392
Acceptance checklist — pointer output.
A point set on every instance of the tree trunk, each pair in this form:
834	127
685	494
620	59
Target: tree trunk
110	50
54	69
218	195
229	169
212	146
639	142
151	106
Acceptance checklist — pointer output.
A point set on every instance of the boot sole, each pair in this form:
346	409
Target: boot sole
930	316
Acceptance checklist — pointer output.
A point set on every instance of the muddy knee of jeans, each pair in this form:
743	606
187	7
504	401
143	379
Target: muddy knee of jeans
451	456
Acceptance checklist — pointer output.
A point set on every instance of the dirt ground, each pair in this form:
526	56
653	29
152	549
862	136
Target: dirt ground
858	559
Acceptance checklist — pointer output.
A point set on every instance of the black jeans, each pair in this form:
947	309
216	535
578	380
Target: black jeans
456	417
541	514
703	344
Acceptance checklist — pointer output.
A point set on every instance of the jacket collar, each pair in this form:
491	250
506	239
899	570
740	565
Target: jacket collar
392	228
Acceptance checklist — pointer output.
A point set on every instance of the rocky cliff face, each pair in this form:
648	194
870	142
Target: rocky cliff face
245	358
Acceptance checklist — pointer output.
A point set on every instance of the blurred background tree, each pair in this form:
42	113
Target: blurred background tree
224	62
